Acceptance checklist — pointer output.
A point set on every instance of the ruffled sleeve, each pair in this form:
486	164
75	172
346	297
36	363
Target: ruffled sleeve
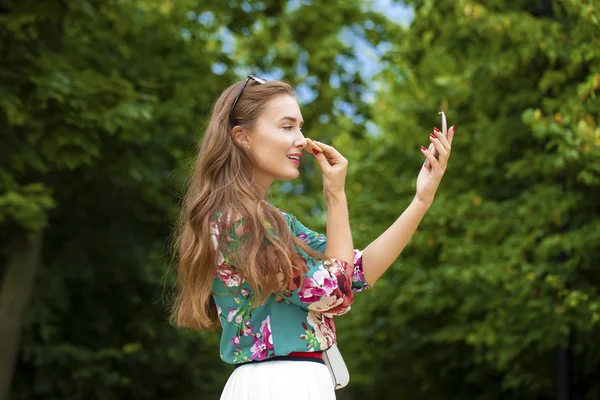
318	242
327	286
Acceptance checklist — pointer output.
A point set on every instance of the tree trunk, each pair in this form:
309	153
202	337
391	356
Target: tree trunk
20	272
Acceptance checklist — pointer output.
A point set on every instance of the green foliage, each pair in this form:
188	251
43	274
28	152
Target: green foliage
503	269
103	102
102	105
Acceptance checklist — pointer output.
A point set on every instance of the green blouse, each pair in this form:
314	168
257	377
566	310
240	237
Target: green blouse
302	320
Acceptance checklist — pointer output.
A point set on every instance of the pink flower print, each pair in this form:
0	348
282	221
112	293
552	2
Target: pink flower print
304	238
214	230
247	329
232	312
219	312
239	230
319	285
229	276
358	275
259	349
235	341
245	293
325	304
265	330
324	333
214	237
263	341
239	318
358	257
228	239
220	258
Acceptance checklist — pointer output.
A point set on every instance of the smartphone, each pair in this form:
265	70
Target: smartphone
444	131
444	124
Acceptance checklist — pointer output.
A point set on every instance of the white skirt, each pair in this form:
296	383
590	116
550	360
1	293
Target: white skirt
281	379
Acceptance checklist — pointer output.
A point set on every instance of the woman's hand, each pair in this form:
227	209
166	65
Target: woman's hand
434	167
334	167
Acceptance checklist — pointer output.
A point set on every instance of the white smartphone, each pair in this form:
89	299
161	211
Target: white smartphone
444	131
444	125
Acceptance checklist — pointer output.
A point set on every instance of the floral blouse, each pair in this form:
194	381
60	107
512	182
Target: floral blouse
302	321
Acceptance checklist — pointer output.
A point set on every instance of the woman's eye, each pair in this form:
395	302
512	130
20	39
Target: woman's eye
290	127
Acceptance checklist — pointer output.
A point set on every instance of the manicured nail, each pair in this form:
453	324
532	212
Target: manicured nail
432	135
436	129
423	148
315	151
452	127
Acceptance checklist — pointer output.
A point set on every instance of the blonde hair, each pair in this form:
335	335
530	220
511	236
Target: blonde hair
223	182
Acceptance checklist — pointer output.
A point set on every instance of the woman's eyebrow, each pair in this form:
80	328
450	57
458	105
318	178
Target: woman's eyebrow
290	119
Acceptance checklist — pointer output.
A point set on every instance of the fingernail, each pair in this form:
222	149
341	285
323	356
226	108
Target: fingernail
452	127
315	151
423	148
436	129
432	135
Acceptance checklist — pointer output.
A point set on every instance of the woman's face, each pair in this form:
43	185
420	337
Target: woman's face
277	141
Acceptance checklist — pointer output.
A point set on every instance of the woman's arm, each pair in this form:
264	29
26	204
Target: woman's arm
339	236
318	242
381	253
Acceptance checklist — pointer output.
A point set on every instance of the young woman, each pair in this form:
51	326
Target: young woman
270	283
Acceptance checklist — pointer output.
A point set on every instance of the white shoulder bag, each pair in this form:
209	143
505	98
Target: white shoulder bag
337	367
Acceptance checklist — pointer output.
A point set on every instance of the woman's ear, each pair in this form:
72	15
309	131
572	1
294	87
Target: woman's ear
240	135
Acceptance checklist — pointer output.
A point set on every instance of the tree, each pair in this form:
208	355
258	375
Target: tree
503	270
103	103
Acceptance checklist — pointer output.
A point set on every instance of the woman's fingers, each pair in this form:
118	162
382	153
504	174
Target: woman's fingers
442	138
435	164
441	150
334	166
333	156
322	160
450	135
442	146
431	149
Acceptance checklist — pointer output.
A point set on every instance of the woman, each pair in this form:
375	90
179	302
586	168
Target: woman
272	284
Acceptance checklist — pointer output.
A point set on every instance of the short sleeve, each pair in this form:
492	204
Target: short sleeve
318	242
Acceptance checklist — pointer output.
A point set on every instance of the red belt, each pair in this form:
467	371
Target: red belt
309	354
314	356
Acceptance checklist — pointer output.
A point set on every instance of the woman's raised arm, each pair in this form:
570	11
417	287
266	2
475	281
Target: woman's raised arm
383	251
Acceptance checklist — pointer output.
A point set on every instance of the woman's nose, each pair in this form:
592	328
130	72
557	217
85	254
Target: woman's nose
302	143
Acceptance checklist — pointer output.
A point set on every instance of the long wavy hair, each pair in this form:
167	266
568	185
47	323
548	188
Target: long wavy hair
223	183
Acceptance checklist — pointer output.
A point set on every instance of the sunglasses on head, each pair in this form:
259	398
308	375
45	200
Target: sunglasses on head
254	78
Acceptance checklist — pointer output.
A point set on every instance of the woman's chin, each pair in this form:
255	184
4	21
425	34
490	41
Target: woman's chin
291	176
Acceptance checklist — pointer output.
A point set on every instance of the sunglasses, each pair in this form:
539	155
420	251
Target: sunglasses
254	78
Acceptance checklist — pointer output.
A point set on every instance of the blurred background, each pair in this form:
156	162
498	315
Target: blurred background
102	104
